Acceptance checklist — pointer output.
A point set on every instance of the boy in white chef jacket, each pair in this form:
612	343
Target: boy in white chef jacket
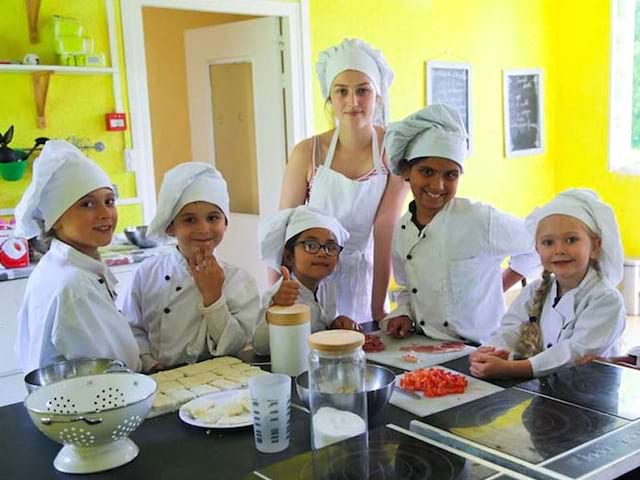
575	310
304	244
189	304
68	310
447	250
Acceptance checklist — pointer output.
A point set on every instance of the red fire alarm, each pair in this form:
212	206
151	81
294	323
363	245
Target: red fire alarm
116	122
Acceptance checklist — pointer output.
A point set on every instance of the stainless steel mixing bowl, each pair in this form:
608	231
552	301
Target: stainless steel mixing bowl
80	367
379	385
138	236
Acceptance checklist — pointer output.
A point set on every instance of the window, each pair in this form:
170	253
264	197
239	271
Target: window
624	122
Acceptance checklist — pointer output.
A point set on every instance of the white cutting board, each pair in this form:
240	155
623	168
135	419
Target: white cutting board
392	355
424	406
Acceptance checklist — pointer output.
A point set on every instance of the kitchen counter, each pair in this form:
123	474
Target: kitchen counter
114	255
169	448
172	449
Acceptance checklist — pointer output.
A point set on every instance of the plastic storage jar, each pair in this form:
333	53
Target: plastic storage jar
289	330
337	394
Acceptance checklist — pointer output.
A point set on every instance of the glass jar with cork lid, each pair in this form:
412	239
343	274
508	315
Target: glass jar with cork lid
289	330
337	393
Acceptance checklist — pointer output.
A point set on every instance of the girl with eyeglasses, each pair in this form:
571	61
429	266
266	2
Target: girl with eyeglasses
304	245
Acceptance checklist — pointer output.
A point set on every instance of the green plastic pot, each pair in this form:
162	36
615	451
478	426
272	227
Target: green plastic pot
14	171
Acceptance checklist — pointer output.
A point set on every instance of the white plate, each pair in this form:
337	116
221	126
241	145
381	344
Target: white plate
221	398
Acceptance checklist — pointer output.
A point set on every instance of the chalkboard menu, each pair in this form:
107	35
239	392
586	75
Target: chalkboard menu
523	107
450	83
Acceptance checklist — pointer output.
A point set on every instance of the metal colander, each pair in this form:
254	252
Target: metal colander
92	412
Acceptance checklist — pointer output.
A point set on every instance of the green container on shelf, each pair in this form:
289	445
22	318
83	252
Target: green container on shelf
14	171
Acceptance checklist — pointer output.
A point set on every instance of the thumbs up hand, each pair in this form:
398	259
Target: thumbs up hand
288	291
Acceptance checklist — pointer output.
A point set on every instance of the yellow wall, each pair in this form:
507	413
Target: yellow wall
166	72
489	34
76	103
569	39
582	60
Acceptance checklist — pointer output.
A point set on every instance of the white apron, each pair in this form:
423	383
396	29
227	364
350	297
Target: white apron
355	204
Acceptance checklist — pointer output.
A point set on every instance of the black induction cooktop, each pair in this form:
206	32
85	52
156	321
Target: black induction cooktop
462	365
390	455
524	425
602	387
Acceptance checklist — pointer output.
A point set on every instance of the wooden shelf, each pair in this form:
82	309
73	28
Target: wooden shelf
15	68
33	12
41	74
40	90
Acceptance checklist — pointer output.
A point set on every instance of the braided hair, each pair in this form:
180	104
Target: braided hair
530	341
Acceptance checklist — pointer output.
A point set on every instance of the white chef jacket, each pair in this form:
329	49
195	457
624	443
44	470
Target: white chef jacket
587	320
165	310
322	309
449	273
69	312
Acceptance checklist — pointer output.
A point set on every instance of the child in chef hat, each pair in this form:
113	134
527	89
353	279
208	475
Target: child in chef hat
575	310
447	250
68	309
189	304
304	244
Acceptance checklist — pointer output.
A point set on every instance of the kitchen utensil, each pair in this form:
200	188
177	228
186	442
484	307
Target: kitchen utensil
421	406
14	252
392	355
289	329
31	59
80	367
13	171
138	236
92	417
271	407
37	142
379	383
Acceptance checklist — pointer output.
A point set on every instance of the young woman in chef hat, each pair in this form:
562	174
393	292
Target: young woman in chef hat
447	250
575	310
304	245
68	309
188	304
343	172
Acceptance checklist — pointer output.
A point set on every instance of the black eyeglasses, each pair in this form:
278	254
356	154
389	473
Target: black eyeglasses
332	249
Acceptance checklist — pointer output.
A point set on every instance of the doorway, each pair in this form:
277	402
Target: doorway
262	192
237	103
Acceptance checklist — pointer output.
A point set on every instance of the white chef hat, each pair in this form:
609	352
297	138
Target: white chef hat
354	54
187	183
585	205
62	175
275	230
434	131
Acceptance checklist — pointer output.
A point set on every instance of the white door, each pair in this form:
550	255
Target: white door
236	104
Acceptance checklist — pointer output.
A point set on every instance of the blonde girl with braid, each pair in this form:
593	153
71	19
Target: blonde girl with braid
575	310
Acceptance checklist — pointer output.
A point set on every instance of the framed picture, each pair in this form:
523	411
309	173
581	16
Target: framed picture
450	83
523	112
